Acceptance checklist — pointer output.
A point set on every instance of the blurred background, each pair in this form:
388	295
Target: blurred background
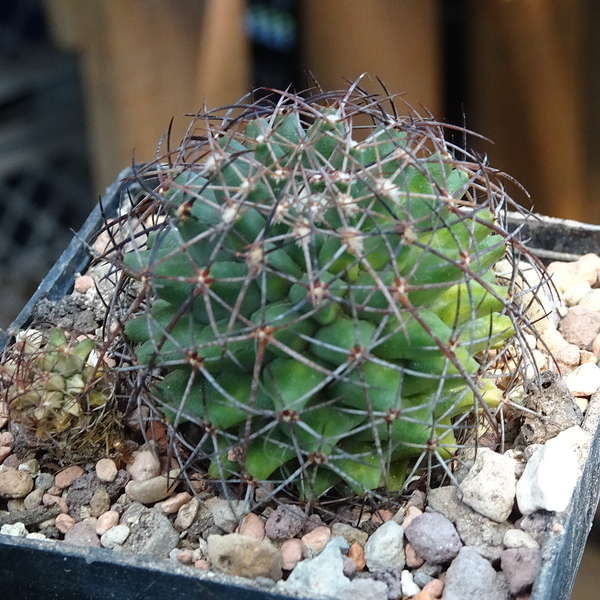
86	87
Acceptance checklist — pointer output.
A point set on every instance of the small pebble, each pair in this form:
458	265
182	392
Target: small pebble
285	522
470	576
202	564
149	491
357	554
106	521
489	487
15	504
6	438
115	536
576	293
227	514
314	541
521	566
44	481
48	523
413	560
64	522
253	526
5	451
186	514
591	300
411	513
83	534
584	380
14	529
235	554
49	500
552	341
551	473
435	587
580	326
174	503
63	479
12	461
33	499
106	470
185	557
145	466
434	537
516	538
409	587
32	466
569	355
568	274
100	502
385	548
15	483
36	535
83	283
349	533
291	553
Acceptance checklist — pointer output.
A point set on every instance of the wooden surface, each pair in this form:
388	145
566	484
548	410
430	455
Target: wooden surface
146	62
526	85
396	40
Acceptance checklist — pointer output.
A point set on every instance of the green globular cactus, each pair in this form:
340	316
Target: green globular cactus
320	292
60	394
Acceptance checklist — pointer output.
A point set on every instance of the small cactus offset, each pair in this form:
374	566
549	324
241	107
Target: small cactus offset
319	292
60	395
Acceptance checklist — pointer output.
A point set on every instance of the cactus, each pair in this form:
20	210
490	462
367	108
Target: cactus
320	294
60	395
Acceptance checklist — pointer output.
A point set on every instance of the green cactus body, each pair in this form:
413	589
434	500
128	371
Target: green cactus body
323	298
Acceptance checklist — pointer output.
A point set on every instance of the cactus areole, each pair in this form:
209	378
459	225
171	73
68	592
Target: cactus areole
318	295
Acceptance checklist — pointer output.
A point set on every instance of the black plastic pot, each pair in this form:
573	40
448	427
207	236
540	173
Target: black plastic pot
42	570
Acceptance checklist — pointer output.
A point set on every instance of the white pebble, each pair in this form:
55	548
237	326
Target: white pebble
575	294
115	536
591	300
106	470
584	380
144	466
16	529
489	487
551	473
517	538
409	587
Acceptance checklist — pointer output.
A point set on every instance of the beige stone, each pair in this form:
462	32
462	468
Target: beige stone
314	541
64	522
15	483
243	556
291	553
107	521
253	526
67	476
172	505
357	554
106	470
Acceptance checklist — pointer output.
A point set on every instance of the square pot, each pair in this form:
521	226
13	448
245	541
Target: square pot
42	570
